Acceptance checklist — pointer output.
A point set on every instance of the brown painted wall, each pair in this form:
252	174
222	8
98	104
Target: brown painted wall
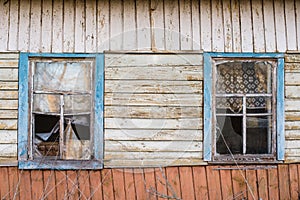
201	182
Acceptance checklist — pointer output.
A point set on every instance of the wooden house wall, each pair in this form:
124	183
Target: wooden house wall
186	183
151	25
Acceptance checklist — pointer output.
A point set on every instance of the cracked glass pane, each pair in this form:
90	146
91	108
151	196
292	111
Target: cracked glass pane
62	76
47	103
77	103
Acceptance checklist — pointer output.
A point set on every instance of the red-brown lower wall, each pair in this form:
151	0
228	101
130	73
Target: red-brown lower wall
200	182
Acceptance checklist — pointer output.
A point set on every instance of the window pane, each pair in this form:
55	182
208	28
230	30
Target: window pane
241	77
62	76
46	136
259	105
229	105
77	103
77	137
258	138
46	103
229	135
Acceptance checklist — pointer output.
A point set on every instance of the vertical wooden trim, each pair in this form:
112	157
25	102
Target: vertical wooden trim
280	110
214	183
107	184
200	183
258	26
103	19
84	184
143	25
157	23
273	183
35	26
217	26
252	184
185	23
269	26
280	28
172	35
57	28
186	183
13	25
68	25
4	24
293	177
246	26
284	182
23	107
91	26
236	26
139	183
173	178
262	183
96	185
206	24
24	25
228	27
207	151
61	184
116	24
226	183
80	26
196	32
37	185
25	185
46	29
99	107
297	10
49	183
118	182
290	24
129	184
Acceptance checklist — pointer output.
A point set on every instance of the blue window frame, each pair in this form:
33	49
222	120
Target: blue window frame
243	107
60	111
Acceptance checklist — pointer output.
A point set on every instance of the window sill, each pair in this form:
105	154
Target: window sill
61	164
242	159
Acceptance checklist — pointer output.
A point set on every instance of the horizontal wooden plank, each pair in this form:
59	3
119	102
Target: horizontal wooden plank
292	135
152	59
190	73
124	123
9	56
8	104
150	86
9	161
8	94
122	99
8	114
152	162
292	125
292	144
8	136
151	155
292	104
293	152
154	146
153	135
8	85
290	58
8	124
8	150
292	67
9	63
8	74
292	116
292	78
152	112
292	159
292	91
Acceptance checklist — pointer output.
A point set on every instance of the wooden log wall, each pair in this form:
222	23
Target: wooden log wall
187	183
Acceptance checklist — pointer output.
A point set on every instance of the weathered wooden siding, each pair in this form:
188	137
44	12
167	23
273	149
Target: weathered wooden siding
89	26
8	107
292	105
153	109
186	183
146	105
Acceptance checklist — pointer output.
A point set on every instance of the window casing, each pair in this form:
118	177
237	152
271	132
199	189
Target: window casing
243	107
61	102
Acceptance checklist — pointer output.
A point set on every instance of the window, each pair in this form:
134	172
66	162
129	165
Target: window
60	111
243	107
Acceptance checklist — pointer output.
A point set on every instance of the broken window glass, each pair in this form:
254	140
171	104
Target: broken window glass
62	109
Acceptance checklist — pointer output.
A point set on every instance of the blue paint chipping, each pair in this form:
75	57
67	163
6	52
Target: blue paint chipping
208	115
23	126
